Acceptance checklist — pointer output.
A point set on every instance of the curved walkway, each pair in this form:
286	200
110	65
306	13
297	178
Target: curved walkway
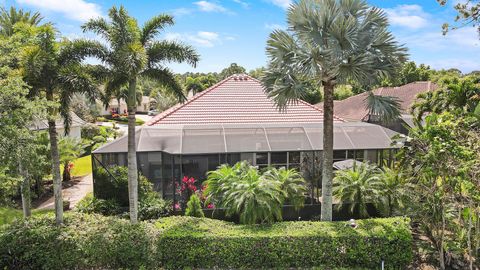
73	193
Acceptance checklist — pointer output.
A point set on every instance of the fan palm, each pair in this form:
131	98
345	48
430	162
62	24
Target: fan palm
54	68
329	42
383	109
357	187
133	52
8	18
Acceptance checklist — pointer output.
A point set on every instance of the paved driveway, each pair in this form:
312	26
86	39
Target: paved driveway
73	193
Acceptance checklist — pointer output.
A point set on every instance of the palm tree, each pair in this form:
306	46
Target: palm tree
357	187
329	42
133	52
394	190
382	109
69	150
55	69
291	182
8	18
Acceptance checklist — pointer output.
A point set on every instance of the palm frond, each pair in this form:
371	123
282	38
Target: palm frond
172	51
166	78
385	109
153	26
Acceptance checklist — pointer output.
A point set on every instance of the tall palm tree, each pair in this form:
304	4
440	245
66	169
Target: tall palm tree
383	109
133	52
357	187
8	18
54	68
329	42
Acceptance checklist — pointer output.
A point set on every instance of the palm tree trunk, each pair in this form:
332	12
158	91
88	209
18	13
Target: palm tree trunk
132	153
57	180
25	191
327	167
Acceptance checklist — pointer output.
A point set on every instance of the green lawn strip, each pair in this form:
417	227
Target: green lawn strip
8	215
81	166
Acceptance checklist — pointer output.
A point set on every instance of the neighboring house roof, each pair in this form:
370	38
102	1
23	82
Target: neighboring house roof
354	108
239	99
43	124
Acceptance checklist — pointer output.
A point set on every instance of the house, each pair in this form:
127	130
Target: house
232	121
353	109
115	108
75	127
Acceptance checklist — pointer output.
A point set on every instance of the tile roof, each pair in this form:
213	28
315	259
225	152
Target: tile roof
353	108
239	99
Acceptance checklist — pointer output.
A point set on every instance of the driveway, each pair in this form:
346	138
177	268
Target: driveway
73	193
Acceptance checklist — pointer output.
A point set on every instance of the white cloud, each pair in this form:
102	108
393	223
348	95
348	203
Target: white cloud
242	3
181	12
410	16
282	3
275	26
79	10
465	65
210	7
200	38
461	39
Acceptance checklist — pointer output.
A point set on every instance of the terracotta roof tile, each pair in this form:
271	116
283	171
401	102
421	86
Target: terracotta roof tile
239	99
353	108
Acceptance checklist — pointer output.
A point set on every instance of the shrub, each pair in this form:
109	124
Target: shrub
97	242
89	131
89	205
256	197
152	206
194	207
116	188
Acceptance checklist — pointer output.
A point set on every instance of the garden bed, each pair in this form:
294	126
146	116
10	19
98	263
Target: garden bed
94	241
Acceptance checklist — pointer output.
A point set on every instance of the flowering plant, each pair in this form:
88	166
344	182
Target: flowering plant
186	188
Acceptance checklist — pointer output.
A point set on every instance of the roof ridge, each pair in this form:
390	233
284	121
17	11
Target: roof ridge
190	100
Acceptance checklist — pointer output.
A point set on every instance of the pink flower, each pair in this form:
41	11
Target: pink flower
176	206
210	206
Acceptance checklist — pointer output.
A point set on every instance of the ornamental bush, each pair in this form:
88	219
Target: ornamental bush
95	241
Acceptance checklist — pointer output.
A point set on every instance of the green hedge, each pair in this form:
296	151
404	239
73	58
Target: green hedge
94	241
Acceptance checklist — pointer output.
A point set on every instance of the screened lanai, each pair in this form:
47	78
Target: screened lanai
166	153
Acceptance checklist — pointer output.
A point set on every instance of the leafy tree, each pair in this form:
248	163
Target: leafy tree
257	73
17	142
69	149
358	187
8	19
194	207
409	73
442	163
162	99
468	12
382	109
200	83
234	68
54	69
354	44
132	53
461	96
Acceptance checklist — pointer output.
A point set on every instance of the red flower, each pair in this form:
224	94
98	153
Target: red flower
210	206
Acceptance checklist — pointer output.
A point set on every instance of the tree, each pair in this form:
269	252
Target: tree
393	190
17	141
329	42
468	13
461	96
358	187
8	19
54	68
69	149
132	53
234	68
409	73
382	109
292	182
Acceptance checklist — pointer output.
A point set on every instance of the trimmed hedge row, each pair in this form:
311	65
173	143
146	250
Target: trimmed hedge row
94	241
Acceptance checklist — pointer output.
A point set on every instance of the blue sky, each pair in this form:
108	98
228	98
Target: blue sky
230	31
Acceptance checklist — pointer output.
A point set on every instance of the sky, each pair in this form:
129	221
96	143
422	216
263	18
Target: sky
236	31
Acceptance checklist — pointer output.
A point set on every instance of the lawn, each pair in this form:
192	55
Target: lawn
7	215
81	166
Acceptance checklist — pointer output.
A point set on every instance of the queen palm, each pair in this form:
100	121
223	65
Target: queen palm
329	42
54	69
8	18
133	52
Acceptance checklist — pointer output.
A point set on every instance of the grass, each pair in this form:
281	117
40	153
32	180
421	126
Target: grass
82	166
7	215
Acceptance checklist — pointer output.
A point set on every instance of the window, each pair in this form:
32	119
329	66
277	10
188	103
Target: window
339	155
262	159
278	158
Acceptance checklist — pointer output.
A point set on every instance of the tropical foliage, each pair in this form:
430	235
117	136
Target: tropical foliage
355	44
132	53
255	197
194	207
382	109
